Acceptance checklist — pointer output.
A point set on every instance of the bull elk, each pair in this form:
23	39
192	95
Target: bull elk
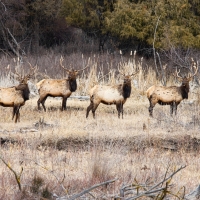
16	96
172	95
115	94
58	87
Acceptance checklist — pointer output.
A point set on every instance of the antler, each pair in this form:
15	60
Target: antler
177	74
121	73
61	61
32	70
19	76
61	64
134	73
194	64
31	73
82	69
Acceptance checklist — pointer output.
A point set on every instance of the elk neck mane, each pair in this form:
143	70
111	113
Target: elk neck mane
125	90
72	85
184	89
25	91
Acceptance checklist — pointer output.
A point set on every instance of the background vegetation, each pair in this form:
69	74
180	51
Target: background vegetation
125	24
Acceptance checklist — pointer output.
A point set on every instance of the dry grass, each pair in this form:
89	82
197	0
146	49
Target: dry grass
63	152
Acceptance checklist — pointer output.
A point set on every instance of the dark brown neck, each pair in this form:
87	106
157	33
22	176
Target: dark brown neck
185	90
72	85
126	87
24	89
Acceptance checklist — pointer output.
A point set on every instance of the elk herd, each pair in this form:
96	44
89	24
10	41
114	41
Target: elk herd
16	96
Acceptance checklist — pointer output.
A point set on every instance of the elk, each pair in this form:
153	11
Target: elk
16	96
115	94
58	87
172	95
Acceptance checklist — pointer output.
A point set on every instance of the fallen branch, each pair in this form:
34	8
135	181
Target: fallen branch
194	194
157	190
86	190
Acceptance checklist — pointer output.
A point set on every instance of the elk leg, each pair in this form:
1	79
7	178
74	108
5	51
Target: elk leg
171	109
152	101
42	100
175	107
89	108
38	103
120	109
64	103
14	112
151	109
94	107
17	118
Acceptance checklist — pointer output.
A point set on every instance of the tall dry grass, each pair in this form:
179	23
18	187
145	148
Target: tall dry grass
63	152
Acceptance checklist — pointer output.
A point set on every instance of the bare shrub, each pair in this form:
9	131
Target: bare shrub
101	168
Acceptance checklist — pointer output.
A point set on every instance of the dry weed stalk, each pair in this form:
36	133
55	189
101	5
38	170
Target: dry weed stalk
17	177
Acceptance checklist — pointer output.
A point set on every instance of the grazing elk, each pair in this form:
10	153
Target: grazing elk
116	94
58	87
172	95
16	96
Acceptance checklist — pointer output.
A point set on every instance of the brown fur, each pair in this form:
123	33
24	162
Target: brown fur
108	95
57	88
172	95
15	97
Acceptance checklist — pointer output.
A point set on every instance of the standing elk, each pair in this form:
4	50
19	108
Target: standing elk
116	94
172	95
58	87
16	96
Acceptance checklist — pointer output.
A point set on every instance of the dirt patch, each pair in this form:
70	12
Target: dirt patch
136	143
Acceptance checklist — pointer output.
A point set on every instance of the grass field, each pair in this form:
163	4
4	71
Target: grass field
63	153
88	151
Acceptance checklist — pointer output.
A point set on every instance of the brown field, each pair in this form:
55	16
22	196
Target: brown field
63	153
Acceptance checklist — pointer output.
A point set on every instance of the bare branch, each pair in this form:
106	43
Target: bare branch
154	38
194	65
154	189
3	6
17	177
87	190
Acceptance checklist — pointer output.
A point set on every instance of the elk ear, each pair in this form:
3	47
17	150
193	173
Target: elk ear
189	78
18	79
180	79
68	71
76	72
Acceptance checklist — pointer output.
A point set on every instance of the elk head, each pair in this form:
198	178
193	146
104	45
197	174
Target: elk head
72	75
126	87
185	80
127	78
23	79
